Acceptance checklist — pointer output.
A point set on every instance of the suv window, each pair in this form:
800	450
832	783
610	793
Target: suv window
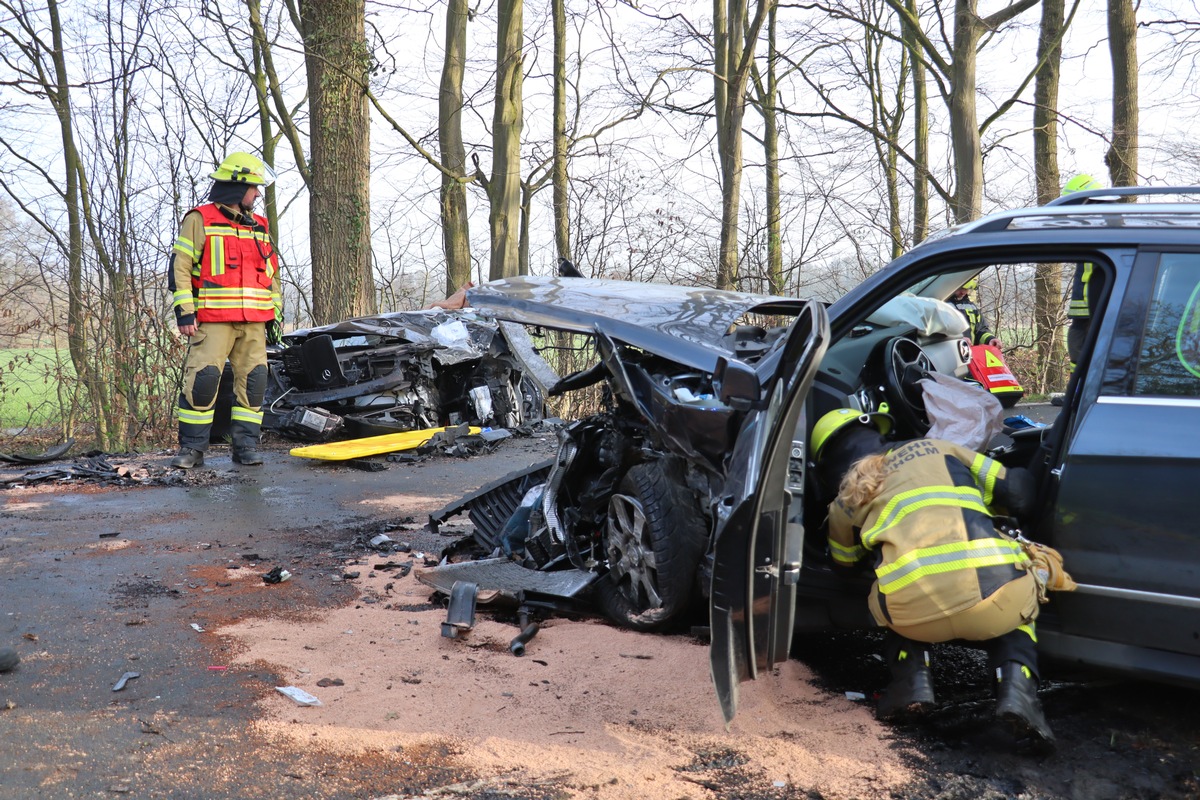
1169	362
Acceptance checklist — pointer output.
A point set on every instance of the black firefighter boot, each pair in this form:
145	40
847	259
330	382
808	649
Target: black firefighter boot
247	455
910	693
188	457
245	435
1017	704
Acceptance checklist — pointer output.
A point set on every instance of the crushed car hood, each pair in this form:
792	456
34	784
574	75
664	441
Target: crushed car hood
684	323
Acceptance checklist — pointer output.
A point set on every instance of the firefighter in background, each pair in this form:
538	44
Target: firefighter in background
921	514
224	281
980	331
1079	311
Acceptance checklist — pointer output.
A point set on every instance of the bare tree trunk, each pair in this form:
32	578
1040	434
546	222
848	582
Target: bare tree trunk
1048	292
288	128
720	66
1122	156
266	132
558	170
886	119
737	60
504	186
771	154
960	73
337	60
527	192
920	107
60	97
964	123
456	241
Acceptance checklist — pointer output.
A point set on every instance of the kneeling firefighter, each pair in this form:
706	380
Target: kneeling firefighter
921	513
224	280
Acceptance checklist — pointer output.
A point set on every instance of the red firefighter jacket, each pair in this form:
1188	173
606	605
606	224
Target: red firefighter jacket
232	267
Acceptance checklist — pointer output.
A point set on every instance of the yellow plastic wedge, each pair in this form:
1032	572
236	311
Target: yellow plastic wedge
371	445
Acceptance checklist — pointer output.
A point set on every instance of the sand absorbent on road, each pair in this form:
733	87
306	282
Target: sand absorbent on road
591	710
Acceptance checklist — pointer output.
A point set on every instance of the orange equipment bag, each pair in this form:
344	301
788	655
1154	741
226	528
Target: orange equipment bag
989	371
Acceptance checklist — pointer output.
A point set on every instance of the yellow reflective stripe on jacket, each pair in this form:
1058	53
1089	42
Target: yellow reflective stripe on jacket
846	555
218	254
181	298
942	558
243	414
1029	630
241	233
193	417
1078	306
186	247
986	471
905	503
237	302
257	292
235	297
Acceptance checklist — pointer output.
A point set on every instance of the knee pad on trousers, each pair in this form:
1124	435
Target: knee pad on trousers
204	387
256	385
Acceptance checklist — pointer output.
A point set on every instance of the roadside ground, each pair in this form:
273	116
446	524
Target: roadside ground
97	581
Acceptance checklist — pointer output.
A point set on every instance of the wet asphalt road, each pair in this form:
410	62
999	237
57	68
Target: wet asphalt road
97	582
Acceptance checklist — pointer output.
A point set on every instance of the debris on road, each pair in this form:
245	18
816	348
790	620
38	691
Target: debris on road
8	659
277	575
124	679
52	454
529	629
301	697
460	614
99	468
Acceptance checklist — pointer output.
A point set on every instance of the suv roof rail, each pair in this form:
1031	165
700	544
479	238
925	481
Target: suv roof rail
1108	195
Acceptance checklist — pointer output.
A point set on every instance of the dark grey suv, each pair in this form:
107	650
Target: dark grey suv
693	480
1116	470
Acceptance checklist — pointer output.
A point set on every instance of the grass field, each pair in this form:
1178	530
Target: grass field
29	383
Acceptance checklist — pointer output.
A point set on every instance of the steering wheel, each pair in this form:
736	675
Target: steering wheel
905	363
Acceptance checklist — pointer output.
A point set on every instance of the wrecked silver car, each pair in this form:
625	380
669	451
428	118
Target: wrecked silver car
403	371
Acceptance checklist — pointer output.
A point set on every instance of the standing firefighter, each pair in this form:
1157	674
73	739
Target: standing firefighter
224	280
920	514
1080	309
981	330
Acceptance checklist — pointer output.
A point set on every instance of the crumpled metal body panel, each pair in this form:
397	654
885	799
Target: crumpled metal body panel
408	370
411	326
686	324
507	577
490	506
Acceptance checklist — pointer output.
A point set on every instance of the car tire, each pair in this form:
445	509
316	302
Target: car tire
654	541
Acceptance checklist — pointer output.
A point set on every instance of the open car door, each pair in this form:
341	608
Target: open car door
759	531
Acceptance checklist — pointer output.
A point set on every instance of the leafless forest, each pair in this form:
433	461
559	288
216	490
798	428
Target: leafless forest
749	144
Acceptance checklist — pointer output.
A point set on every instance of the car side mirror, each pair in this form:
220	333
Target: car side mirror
738	382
